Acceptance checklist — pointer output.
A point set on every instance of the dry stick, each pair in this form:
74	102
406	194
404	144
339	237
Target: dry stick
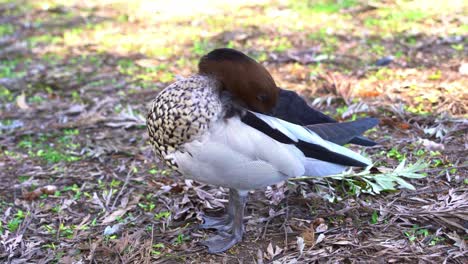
286	216
124	185
151	246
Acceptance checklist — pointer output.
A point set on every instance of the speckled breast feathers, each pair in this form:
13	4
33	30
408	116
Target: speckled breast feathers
181	113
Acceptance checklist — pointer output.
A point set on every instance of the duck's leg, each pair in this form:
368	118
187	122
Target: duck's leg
222	223
225	240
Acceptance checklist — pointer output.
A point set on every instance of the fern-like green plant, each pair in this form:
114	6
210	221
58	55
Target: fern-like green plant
375	183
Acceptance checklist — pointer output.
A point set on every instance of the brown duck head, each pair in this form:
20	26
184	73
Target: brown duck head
246	79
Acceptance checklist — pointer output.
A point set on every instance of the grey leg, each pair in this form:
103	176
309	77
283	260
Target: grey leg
223	223
225	240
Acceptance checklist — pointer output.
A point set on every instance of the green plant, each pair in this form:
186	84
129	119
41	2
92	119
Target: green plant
420	234
366	182
74	188
6	29
322	6
201	47
374	218
148	207
5	94
162	214
14	223
157	248
458	47
115	183
435	76
65	231
395	154
181	238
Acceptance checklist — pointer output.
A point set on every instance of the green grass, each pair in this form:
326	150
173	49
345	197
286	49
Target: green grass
418	234
402	16
6	29
5	94
8	68
44	39
396	20
322	6
52	148
201	47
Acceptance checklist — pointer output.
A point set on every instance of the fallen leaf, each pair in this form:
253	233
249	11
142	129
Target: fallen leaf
368	93
404	126
30	196
431	145
49	189
459	242
343	242
110	230
317	222
114	215
463	70
321	228
75	109
300	244
273	252
309	236
21	102
320	238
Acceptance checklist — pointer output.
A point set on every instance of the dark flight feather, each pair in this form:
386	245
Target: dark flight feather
293	108
342	133
310	150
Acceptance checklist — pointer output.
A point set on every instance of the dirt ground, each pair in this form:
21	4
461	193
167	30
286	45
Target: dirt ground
79	182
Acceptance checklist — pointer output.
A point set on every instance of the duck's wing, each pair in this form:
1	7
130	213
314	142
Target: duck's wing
343	133
310	143
294	109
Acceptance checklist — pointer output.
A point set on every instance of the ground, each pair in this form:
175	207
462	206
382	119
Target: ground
80	183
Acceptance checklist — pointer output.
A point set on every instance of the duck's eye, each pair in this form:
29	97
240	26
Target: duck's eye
262	97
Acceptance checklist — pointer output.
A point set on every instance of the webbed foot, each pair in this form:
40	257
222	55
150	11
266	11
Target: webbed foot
221	242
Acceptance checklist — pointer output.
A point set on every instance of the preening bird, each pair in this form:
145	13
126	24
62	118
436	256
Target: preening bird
253	87
231	126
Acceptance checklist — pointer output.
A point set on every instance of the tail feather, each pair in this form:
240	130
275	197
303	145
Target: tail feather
343	133
362	141
294	109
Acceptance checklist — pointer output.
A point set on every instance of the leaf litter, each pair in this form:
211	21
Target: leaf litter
117	203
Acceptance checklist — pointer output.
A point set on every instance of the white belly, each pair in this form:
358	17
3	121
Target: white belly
238	156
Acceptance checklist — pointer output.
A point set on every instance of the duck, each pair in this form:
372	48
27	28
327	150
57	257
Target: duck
229	125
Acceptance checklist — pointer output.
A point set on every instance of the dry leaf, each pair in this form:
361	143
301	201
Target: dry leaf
259	257
321	228
309	236
463	69
114	215
48	189
273	252
403	126
300	244
431	145
317	222
110	230
21	102
320	238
